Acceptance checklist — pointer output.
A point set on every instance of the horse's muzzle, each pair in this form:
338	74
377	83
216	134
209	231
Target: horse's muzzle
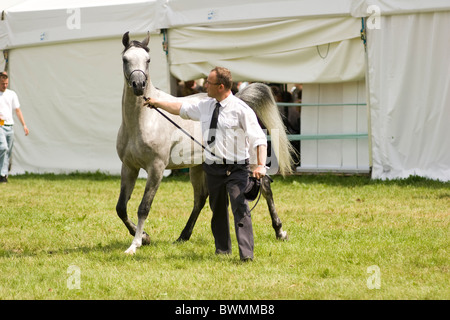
138	81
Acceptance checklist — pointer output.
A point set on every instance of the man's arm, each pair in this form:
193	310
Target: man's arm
22	121
261	156
171	107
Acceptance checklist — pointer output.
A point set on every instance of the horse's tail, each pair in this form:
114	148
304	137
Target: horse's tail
259	97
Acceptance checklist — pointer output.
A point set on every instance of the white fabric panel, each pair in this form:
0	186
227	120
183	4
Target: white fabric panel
197	44
336	154
72	105
3	35
283	51
409	77
48	21
359	8
200	12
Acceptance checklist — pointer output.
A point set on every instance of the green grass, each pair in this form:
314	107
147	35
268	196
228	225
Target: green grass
338	227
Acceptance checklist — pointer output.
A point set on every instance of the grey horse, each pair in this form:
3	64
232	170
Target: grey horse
146	140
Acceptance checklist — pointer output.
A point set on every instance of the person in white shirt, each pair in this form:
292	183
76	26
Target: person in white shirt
236	131
8	103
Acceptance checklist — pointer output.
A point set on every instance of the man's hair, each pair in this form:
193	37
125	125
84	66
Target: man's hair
223	77
3	75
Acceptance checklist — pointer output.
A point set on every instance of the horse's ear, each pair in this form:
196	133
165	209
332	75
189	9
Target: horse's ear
126	39
146	40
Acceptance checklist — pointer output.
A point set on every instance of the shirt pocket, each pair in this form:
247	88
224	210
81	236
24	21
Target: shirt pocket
230	122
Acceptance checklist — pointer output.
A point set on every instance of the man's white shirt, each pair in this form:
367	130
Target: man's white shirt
237	128
8	102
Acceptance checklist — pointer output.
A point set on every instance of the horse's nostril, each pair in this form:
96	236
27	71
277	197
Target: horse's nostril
143	84
134	84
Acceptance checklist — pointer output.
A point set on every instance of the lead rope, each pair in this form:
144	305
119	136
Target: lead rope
257	200
260	191
184	131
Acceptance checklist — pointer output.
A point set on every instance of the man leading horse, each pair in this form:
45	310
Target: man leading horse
231	128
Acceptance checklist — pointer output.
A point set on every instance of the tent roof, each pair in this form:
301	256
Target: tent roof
31	22
361	8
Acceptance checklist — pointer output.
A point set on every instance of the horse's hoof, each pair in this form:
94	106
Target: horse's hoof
184	236
131	250
179	241
145	239
283	236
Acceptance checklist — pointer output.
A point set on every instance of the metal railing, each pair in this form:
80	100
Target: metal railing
337	136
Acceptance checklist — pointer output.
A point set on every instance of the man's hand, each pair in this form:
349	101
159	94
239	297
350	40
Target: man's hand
259	172
149	102
172	107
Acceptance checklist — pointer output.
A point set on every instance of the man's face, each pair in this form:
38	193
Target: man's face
3	84
211	85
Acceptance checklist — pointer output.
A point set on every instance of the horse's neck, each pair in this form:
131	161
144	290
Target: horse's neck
132	106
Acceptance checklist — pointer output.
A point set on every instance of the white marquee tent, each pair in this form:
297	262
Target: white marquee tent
64	63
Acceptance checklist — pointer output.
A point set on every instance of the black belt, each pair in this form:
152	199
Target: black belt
225	168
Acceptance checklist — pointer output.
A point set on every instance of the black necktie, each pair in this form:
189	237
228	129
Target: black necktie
213	125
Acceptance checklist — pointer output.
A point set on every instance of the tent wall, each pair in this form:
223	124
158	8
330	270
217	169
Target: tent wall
344	155
288	51
64	62
70	96
409	77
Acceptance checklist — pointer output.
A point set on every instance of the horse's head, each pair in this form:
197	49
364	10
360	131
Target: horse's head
136	58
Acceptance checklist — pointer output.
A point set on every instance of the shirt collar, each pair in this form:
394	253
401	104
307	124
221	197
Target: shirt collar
225	101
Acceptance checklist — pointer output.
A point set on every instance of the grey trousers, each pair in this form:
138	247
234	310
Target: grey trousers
228	182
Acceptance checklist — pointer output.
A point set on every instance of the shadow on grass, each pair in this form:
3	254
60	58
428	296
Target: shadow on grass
115	250
111	247
94	176
328	179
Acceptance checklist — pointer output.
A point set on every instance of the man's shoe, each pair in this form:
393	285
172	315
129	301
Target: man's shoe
221	252
246	259
3	179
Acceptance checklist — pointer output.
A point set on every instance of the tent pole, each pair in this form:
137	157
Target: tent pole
6	57
369	122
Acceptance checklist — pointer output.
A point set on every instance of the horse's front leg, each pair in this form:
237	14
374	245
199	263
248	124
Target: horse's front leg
128	178
276	222
155	175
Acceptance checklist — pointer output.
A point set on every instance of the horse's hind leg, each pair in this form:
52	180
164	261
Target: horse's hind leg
276	222
198	181
128	181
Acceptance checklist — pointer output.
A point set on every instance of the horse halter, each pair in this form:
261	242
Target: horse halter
136	70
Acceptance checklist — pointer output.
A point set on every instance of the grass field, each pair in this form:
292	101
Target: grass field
349	238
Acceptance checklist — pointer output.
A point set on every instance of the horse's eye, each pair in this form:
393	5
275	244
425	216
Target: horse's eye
148	61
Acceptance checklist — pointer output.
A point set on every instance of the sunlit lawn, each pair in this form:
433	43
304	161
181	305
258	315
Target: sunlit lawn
340	230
